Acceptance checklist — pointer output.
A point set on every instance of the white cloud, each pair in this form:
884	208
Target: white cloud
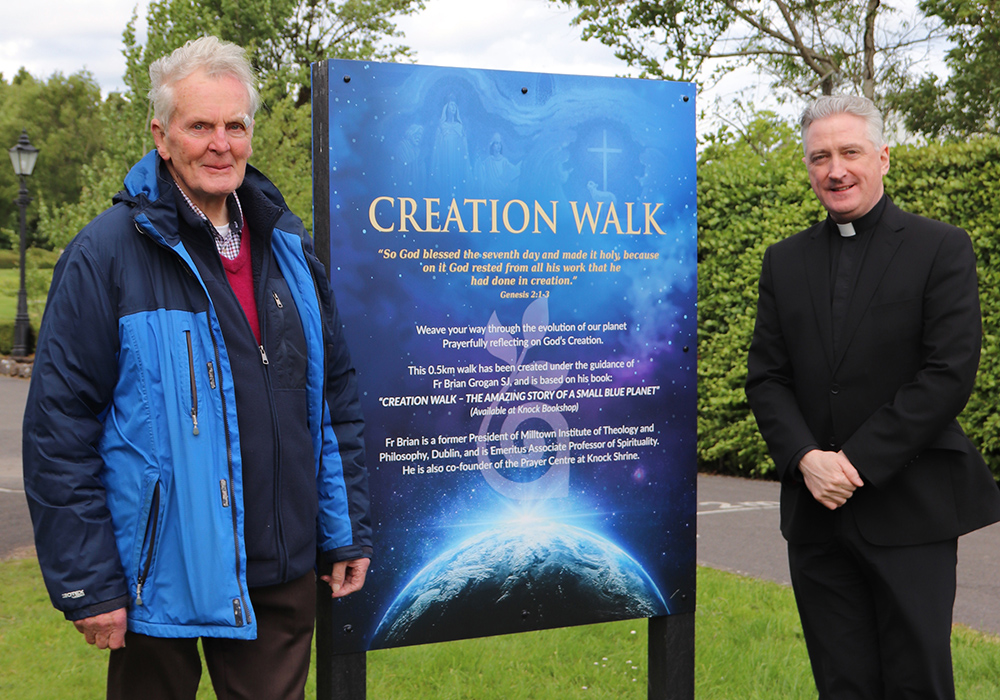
525	35
520	35
67	36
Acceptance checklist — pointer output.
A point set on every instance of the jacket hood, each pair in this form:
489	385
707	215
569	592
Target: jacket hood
144	181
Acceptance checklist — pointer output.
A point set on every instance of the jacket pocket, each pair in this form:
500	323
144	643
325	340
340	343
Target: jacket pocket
143	564
283	337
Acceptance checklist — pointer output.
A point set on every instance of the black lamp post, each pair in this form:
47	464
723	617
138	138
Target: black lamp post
23	156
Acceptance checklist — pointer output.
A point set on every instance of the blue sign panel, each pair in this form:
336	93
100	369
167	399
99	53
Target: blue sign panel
514	259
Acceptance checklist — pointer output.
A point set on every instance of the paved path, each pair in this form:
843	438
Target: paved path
737	526
738	531
15	525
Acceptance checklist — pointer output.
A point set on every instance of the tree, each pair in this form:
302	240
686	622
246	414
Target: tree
807	47
282	37
61	116
966	103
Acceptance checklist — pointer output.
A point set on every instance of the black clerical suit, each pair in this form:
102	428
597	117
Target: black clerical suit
887	395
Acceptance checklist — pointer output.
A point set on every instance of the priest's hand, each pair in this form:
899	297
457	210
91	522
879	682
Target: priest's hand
830	477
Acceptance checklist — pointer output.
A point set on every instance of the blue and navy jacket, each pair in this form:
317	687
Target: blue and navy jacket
170	462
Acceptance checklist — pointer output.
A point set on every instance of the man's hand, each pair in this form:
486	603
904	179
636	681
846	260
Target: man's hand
106	631
830	477
347	577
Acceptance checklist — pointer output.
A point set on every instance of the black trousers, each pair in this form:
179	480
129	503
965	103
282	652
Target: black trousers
272	667
877	620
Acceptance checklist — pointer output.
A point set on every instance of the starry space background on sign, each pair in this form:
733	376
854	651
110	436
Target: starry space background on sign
514	260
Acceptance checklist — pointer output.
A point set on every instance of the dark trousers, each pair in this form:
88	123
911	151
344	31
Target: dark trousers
877	620
272	667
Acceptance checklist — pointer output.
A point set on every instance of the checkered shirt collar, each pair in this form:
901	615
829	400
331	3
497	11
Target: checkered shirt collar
227	243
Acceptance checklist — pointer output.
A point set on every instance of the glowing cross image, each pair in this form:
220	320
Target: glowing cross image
604	151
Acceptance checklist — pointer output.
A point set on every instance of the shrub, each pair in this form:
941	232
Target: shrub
747	199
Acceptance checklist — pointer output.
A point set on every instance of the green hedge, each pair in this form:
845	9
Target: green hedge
38	258
7	336
747	201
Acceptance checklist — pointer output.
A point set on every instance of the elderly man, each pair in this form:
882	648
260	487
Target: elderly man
193	436
865	350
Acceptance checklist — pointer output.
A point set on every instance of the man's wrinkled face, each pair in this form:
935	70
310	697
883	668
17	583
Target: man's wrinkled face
845	168
207	142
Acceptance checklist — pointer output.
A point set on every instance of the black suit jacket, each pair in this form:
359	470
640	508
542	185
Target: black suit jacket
890	396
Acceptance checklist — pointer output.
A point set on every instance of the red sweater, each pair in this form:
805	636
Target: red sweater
240	275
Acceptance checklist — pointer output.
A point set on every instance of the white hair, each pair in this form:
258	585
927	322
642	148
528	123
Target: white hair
215	57
829	105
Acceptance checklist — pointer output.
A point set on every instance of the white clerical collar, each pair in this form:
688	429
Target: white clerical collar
846	230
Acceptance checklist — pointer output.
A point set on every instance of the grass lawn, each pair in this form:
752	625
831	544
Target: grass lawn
748	647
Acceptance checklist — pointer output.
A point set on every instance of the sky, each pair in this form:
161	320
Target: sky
518	35
49	36
529	35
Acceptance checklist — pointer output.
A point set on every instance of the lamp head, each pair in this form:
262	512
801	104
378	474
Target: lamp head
23	155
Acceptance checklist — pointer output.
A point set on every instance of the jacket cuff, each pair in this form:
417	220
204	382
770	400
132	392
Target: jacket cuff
98	608
793	474
348	553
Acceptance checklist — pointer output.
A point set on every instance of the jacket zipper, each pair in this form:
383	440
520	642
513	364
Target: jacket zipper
279	536
223	483
194	386
239	604
151	528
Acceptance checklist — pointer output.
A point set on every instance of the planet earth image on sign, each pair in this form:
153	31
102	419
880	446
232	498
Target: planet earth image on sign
525	576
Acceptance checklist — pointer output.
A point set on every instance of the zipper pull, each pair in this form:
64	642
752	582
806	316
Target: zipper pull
194	419
277	300
263	355
138	594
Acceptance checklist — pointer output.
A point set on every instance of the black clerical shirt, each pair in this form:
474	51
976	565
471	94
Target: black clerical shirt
863	228
846	256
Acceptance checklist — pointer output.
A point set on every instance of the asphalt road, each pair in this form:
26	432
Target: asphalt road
738	531
737	526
